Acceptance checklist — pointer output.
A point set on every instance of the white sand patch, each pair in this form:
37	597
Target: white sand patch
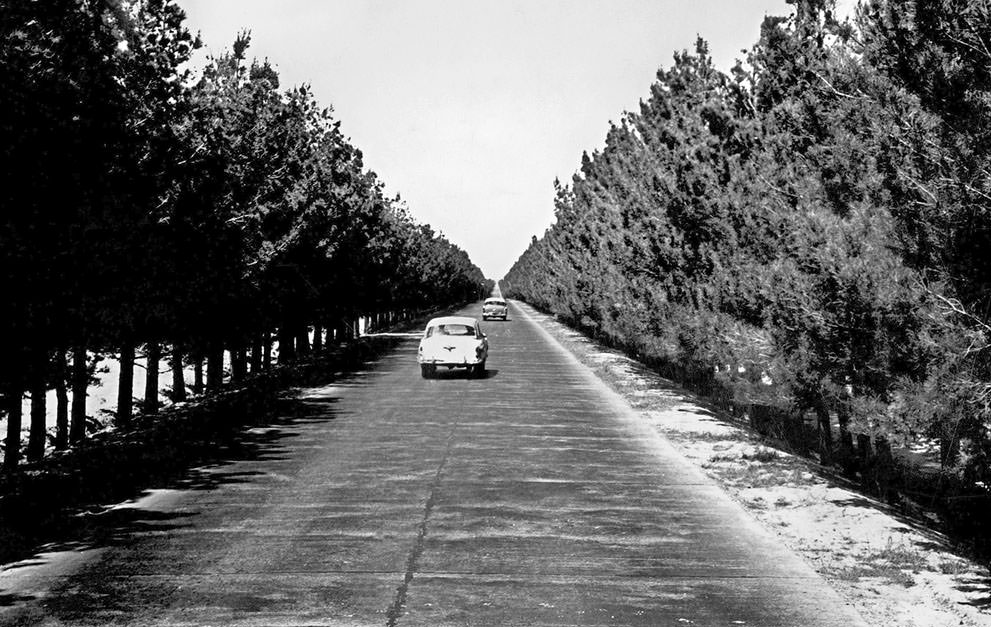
688	419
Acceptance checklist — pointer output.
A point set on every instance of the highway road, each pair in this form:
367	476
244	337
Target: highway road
531	496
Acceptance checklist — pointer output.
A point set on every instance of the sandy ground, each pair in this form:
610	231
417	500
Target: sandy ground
893	571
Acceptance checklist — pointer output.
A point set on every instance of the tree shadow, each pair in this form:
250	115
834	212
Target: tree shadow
702	411
970	583
865	503
979	585
62	506
10	600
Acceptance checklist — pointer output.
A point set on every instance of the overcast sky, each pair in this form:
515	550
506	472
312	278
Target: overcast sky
469	110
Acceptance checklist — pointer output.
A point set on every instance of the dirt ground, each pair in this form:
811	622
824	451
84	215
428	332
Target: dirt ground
894	571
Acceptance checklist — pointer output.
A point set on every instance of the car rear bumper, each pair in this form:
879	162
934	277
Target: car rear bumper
450	364
447	363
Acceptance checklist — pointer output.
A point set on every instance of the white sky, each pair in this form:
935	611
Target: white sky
470	109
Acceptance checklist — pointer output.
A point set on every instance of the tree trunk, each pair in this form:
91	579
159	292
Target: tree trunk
266	350
846	453
62	407
178	375
865	458
317	338
287	344
347	329
215	369
125	386
154	354
949	439
80	384
884	470
39	410
256	353
302	341
12	445
825	433
198	374
239	365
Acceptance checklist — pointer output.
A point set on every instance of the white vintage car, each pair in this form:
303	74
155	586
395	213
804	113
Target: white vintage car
494	308
453	342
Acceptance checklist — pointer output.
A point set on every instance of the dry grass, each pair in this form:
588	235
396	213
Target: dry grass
763	456
896	563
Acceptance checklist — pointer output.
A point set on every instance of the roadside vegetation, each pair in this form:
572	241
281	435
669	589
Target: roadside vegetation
218	221
805	241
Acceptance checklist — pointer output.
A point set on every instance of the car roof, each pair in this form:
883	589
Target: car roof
495	298
466	320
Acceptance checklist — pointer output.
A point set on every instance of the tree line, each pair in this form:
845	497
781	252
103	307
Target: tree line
148	211
810	230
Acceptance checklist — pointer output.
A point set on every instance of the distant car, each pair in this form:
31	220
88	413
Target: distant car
453	342
494	308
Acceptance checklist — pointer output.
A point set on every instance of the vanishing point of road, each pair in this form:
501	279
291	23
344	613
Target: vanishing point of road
529	497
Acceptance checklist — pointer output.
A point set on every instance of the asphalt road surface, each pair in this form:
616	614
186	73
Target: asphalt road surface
529	497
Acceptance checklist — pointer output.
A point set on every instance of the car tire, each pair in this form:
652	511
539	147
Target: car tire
478	370
427	372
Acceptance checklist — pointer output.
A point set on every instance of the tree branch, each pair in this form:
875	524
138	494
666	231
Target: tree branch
834	90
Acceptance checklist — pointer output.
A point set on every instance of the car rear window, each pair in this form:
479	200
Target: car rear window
497	303
451	329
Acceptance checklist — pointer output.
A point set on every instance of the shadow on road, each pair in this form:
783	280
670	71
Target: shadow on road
460	374
10	600
64	507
